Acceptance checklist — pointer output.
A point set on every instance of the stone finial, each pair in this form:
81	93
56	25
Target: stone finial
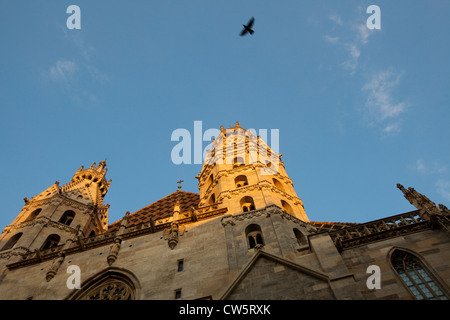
418	200
444	209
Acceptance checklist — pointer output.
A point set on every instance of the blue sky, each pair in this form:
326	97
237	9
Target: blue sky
357	110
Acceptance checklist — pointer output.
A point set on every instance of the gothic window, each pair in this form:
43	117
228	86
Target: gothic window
247	204
278	184
254	236
12	241
416	277
211	180
67	217
240	181
112	286
301	239
212	199
34	214
286	207
52	241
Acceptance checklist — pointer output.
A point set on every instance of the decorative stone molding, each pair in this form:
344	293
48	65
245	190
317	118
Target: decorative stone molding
81	243
16	251
256	187
379	229
267	211
45	221
227	220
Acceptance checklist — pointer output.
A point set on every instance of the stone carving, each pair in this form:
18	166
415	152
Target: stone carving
114	251
173	233
419	201
227	220
54	268
378	229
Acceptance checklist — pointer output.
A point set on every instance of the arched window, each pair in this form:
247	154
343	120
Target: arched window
278	184
109	286
12	241
212	199
240	181
301	239
254	236
33	215
52	241
287	207
210	180
416	277
247	204
67	217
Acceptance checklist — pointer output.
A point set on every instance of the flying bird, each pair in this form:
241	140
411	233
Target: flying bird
248	27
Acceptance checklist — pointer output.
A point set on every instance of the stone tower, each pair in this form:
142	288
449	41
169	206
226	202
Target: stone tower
242	173
60	214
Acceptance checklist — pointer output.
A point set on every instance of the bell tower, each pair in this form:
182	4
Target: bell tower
60	213
242	173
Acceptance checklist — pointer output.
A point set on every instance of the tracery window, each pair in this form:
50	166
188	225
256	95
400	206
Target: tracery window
111	287
416	277
112	290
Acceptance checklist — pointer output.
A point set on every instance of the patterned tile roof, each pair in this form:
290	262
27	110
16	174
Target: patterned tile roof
162	208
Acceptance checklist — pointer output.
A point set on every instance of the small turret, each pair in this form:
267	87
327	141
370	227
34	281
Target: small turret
59	213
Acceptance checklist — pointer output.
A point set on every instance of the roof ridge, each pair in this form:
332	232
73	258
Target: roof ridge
163	199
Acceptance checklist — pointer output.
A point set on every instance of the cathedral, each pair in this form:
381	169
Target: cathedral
244	236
